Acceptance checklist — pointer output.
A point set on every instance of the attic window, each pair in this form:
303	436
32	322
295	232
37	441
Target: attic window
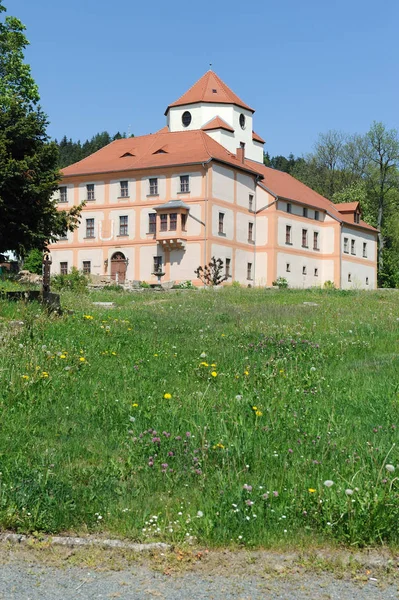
214	91
160	151
127	154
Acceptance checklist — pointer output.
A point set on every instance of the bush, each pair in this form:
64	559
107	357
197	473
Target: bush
212	273
184	285
280	282
33	262
329	285
74	281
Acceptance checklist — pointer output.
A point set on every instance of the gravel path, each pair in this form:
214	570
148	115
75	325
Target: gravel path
24	581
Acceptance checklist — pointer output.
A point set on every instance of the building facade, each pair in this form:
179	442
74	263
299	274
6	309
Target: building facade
198	188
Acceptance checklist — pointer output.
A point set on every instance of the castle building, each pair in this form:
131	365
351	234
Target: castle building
198	188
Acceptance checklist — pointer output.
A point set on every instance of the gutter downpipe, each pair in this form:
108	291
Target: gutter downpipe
205	167
340	255
257	179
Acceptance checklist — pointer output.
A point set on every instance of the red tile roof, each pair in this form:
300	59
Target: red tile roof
257	137
180	148
217	123
210	88
285	186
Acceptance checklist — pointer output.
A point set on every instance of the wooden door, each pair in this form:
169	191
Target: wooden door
118	267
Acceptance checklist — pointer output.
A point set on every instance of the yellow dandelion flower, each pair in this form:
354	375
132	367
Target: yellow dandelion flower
26	377
167	396
246	372
82	359
213	365
223	334
311	490
113	353
62	356
155	354
254	408
214	374
129	329
204	364
281	371
258	413
219	445
44	374
135	405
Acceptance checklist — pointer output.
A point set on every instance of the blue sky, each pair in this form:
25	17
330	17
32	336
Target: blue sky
306	67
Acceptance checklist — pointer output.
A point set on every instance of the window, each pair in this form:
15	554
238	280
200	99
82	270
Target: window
349	276
90	191
63	193
173	221
304	238
249	270
305	212
124	189
364	250
157	264
288	268
86	267
183	221
357	218
153	186
63	268
242	121
164	222
317	215
251	202
90	228
289	207
123	225
184	184
304	270
152	223
353	247
346	245
221	223
315	240
250	232
288	234
228	265
367	280
186	118
316	272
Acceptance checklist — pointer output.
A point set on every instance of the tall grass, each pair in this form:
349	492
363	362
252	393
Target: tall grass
214	417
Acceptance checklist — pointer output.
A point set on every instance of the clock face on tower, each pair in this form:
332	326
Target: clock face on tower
242	121
186	118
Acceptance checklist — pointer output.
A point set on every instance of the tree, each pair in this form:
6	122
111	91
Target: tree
28	161
211	274
382	176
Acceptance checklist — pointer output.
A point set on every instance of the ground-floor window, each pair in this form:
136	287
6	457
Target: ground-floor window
87	267
249	270
63	268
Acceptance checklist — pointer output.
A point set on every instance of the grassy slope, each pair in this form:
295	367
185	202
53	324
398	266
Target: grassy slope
300	395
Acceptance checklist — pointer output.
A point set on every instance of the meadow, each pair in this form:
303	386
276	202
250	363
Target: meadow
222	418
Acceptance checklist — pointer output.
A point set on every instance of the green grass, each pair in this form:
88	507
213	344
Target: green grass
94	405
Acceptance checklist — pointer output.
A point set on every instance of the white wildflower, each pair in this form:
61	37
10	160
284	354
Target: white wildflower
328	483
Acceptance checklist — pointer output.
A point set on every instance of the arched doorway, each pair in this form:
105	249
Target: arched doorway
118	267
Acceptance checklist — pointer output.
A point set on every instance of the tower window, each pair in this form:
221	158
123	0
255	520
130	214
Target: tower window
186	118
242	121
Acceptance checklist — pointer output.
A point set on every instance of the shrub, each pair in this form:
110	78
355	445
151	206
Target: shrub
184	285
329	285
74	281
280	282
33	262
211	274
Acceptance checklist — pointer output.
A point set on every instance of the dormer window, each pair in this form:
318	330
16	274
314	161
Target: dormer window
186	118
357	217
242	121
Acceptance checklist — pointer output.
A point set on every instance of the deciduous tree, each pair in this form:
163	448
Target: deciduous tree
28	161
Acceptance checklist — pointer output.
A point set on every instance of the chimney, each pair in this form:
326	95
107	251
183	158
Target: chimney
241	152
